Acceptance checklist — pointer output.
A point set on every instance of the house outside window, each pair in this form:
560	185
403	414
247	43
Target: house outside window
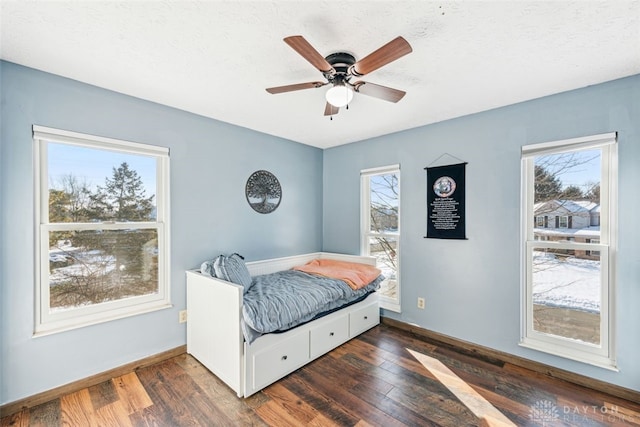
593	253
102	219
380	228
568	268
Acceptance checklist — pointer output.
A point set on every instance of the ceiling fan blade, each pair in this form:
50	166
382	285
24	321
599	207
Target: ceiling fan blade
308	52
298	86
330	110
377	91
391	51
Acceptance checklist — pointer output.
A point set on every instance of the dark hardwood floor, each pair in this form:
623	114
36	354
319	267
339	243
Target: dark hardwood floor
385	377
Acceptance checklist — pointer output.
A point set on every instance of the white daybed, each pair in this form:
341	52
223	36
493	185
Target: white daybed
214	333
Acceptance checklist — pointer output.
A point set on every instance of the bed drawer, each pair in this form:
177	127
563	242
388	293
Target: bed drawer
363	318
275	362
329	335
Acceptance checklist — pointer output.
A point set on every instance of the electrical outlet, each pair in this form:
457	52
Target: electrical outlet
182	316
420	303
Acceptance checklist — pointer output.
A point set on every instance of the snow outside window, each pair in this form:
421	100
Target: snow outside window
102	219
380	228
568	271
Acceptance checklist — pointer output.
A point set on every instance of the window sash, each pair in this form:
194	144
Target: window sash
573	349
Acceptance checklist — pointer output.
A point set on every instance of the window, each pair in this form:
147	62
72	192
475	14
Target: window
593	253
380	222
568	278
564	222
102	218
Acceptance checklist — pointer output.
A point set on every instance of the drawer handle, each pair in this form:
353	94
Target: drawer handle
330	334
365	317
284	357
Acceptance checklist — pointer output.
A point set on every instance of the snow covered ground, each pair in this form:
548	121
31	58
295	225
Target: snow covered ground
567	282
82	263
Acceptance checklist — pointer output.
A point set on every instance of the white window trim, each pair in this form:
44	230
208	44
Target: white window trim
563	219
47	323
602	355
366	233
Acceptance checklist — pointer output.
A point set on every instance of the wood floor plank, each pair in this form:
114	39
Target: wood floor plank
516	411
240	410
188	404
365	351
103	394
414	388
291	403
152	416
623	412
304	413
397	410
131	392
46	414
561	387
430	399
76	409
323	404
113	414
275	415
340	393
19	419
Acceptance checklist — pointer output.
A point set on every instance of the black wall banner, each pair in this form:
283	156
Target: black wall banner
446	202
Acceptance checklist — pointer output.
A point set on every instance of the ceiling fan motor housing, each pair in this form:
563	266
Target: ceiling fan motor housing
340	61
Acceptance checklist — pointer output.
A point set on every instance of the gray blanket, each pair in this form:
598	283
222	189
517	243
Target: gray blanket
283	300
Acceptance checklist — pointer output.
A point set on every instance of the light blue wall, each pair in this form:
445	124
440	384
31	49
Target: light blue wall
210	163
472	287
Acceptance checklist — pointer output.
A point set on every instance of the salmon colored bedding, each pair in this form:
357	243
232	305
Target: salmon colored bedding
356	275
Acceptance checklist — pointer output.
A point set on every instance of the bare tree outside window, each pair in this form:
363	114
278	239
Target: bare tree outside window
566	281
382	236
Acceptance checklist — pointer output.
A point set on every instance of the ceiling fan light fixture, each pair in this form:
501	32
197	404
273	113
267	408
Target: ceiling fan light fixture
339	95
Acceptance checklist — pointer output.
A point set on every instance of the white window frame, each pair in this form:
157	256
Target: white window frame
365	227
47	322
563	221
602	355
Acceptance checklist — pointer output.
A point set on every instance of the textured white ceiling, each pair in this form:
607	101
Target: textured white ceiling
216	58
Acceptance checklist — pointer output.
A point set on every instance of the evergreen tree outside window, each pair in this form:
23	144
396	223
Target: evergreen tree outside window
102	218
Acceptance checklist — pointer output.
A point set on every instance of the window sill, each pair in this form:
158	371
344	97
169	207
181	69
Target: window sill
60	326
566	353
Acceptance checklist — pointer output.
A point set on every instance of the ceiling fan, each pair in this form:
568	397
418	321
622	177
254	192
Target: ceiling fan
340	68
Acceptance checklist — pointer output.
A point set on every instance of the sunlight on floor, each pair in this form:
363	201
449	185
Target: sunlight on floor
481	408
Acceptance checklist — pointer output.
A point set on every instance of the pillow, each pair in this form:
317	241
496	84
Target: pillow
233	269
207	268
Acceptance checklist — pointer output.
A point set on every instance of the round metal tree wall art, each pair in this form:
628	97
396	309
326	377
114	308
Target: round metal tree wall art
263	192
